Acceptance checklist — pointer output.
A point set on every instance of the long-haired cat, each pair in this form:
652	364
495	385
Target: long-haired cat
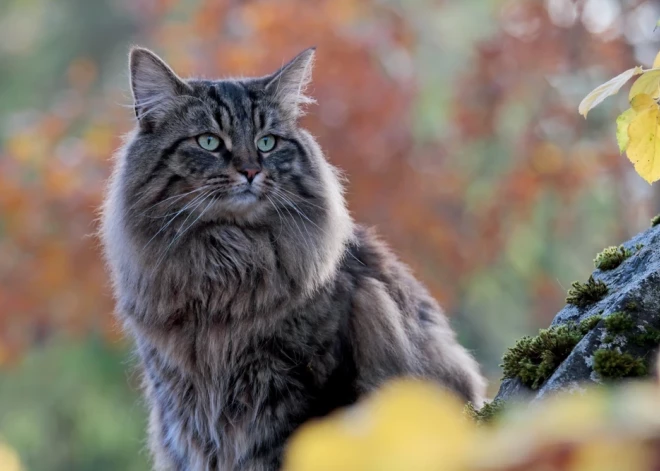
254	300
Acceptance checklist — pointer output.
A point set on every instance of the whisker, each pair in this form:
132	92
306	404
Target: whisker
178	236
190	213
176	198
300	212
302	201
279	215
293	219
190	203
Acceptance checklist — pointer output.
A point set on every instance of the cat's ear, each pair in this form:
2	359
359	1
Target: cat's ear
153	82
287	86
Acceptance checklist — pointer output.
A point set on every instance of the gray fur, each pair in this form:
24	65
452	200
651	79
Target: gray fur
254	306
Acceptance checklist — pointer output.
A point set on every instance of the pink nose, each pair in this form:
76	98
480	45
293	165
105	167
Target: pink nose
250	173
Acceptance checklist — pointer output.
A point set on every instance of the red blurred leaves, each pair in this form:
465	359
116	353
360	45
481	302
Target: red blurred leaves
417	193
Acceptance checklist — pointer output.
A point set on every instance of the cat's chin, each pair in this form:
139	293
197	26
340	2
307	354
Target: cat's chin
245	207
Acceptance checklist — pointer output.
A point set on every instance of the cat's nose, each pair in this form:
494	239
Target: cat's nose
249	172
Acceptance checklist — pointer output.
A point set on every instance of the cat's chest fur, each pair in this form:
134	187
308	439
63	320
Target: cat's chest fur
220	276
236	338
214	386
214	390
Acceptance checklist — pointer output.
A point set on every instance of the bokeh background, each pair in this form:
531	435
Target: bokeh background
455	121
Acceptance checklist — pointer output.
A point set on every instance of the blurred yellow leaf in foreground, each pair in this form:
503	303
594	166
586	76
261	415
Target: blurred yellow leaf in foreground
411	426
408	425
9	460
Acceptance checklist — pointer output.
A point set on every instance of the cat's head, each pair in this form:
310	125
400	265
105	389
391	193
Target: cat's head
225	150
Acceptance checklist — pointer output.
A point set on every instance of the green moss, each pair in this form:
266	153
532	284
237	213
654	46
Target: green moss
589	323
611	257
619	323
649	338
585	294
631	306
487	414
534	359
612	364
655	220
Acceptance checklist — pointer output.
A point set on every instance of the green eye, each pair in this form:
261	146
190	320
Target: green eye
266	143
208	142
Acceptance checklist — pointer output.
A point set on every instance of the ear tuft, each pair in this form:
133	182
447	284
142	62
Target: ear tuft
153	82
288	85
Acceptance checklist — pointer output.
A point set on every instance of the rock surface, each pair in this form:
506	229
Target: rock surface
634	287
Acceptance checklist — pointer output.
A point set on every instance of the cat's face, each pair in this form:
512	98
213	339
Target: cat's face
226	149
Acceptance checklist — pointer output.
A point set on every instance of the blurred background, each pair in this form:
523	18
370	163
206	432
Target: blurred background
455	121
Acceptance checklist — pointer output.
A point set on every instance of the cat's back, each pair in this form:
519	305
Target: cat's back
397	328
372	266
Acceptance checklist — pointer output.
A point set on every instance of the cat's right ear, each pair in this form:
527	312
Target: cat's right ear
153	83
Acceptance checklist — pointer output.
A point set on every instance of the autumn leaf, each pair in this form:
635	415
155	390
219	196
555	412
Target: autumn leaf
642	102
638	103
644	143
9	459
648	83
407	424
609	88
622	123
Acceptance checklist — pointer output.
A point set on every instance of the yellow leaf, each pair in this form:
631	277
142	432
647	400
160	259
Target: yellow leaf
622	123
407	425
642	102
9	459
644	144
648	83
656	62
607	89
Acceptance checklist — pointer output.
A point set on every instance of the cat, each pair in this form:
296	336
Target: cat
254	300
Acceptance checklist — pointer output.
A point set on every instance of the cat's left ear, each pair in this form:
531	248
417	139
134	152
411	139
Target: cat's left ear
154	84
287	86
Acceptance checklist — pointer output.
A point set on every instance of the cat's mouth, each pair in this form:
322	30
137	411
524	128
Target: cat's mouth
247	191
242	197
236	203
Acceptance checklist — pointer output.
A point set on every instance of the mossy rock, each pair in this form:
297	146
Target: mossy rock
621	346
534	359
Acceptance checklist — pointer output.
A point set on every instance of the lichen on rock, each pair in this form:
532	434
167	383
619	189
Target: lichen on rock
617	323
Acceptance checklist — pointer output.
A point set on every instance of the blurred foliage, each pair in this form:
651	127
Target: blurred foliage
454	121
414	426
69	407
